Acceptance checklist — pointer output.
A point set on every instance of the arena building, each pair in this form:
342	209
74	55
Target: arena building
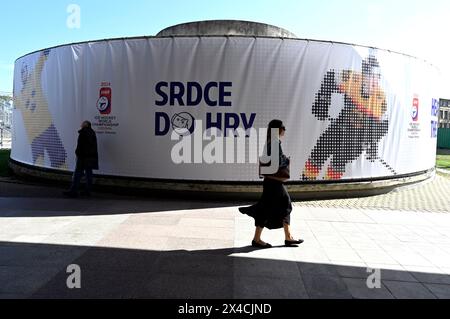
187	110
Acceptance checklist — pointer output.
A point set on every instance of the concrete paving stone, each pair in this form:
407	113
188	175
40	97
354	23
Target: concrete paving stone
396	218
34	226
275	253
113	259
320	214
301	232
12	296
152	219
333	242
308	269
345	227
305	235
444	247
439	259
357	238
408	290
97	284
326	287
28	238
189	286
367	244
7	224
397	246
309	242
337	254
383	217
194	263
396	229
178	243
304	212
73	239
361	264
355	216
424	269
34	255
438	239
216	214
427	247
132	240
411	238
406	258
93	225
440	291
255	267
384	239
163	231
55	205
209	223
359	290
372	230
320	226
424	230
9	237
354	271
310	254
202	232
430	277
438	219
252	287
442	230
445	270
24	280
396	266
375	256
388	272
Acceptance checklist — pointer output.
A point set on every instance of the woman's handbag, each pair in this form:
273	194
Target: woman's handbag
282	175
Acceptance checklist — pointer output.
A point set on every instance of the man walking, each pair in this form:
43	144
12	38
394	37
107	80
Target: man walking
87	159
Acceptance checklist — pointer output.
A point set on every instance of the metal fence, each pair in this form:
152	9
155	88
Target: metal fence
5	123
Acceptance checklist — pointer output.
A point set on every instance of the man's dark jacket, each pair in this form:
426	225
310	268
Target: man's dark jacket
87	155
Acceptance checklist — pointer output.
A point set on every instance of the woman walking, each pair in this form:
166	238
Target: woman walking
274	208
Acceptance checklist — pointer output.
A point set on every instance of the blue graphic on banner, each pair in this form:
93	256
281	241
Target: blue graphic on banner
434	107
434	129
193	94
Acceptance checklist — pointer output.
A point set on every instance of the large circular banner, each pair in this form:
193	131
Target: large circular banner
197	108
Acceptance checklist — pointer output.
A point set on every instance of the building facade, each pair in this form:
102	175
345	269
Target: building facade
444	113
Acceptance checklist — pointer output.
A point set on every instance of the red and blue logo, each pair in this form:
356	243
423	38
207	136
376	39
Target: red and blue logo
104	101
415	109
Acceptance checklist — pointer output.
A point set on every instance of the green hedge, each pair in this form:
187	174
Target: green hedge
443	140
4	159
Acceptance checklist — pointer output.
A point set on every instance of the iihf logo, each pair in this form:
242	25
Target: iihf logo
415	109
104	101
183	124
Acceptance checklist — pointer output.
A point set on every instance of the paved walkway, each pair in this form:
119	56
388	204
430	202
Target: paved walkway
430	196
155	248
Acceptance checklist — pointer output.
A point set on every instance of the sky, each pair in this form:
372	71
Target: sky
416	27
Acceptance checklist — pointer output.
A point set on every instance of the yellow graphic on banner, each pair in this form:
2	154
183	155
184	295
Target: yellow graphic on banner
42	134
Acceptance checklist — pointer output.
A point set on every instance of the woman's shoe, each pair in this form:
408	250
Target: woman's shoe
289	243
258	245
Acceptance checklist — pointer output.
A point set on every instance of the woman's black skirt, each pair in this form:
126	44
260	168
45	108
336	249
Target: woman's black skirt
273	209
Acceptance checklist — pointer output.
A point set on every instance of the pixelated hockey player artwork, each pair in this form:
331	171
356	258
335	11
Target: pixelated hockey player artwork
357	129
41	131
